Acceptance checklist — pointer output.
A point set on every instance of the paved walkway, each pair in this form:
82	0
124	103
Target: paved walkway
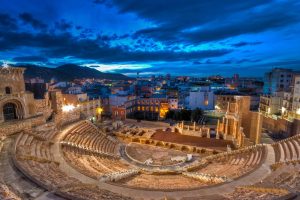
202	193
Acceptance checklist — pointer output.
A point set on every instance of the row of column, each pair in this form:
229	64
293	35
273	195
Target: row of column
181	126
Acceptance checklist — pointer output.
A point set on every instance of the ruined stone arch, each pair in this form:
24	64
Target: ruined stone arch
135	140
184	148
160	144
12	109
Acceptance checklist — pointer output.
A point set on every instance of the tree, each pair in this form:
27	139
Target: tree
170	114
196	114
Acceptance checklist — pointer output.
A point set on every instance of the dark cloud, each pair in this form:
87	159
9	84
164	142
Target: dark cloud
61	45
63	25
29	19
241	44
151	32
7	22
226	62
30	59
258	22
180	13
201	21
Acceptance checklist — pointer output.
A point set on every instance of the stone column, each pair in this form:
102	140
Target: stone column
234	128
217	135
223	124
228	107
194	126
226	127
208	133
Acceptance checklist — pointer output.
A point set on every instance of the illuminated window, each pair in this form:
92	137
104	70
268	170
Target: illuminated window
205	102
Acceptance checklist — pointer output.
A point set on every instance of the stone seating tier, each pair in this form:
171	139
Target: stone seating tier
287	149
87	135
33	158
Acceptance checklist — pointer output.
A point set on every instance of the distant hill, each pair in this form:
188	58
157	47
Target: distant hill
68	72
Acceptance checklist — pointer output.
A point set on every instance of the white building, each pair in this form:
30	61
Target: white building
278	80
201	97
173	103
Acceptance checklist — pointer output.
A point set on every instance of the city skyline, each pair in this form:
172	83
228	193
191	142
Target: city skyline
196	38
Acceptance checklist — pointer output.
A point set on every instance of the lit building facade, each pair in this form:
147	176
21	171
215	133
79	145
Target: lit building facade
277	80
201	97
152	108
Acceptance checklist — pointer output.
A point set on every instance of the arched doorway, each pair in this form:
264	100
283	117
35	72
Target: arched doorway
9	111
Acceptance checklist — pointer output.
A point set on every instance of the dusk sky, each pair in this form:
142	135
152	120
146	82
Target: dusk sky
181	37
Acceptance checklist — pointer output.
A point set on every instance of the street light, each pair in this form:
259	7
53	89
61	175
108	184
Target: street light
298	111
68	108
283	109
99	111
269	110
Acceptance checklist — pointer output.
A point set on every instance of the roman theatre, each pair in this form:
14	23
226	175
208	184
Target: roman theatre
48	152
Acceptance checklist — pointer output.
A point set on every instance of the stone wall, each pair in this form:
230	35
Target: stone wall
281	126
11	128
62	118
252	124
13	78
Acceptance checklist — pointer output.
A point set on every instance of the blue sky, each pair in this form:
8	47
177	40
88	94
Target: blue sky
194	37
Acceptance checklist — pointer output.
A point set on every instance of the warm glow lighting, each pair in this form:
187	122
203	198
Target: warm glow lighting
283	109
298	111
269	110
67	108
99	110
217	107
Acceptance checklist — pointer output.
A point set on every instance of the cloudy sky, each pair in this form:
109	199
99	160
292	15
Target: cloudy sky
181	37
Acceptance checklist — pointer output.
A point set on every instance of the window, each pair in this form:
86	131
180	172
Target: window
7	90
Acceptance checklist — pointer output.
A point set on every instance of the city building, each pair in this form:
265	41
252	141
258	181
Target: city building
277	80
270	104
295	97
154	107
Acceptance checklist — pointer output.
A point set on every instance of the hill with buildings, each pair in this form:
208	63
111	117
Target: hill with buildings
68	72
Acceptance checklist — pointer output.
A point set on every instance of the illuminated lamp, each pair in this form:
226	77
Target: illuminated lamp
68	108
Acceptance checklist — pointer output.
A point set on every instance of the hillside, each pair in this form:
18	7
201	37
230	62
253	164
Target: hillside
68	72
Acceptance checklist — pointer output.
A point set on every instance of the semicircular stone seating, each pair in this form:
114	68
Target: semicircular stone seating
33	157
233	164
92	152
96	155
284	179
